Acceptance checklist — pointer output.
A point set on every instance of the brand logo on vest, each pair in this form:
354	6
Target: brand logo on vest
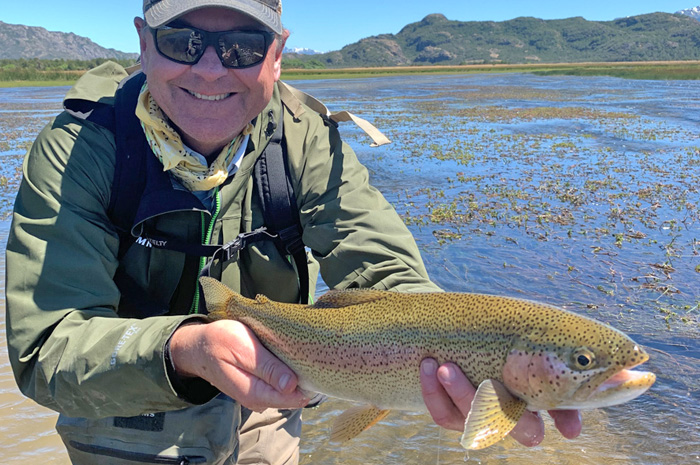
147	242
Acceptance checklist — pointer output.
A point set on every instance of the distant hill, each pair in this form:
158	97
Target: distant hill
437	40
37	42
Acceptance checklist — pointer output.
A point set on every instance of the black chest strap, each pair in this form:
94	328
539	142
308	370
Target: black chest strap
280	212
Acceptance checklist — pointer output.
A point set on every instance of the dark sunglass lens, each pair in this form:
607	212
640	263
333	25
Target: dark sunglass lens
183	45
242	49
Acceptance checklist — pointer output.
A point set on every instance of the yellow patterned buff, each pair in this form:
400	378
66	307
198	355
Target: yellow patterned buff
186	165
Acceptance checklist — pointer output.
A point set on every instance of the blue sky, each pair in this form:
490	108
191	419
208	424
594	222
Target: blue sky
323	24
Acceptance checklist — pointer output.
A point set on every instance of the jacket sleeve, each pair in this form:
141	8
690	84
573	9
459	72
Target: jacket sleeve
68	348
355	234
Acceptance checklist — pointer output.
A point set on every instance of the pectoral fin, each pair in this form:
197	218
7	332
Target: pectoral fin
354	421
494	413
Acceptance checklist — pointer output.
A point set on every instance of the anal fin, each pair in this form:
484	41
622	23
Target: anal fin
494	413
354	421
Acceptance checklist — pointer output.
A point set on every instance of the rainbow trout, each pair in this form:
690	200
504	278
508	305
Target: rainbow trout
367	345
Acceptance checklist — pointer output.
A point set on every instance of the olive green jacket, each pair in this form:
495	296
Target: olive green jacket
71	345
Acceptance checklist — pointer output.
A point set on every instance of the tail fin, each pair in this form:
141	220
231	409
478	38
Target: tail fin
217	297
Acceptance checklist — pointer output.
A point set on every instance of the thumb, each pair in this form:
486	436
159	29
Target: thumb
265	365
275	373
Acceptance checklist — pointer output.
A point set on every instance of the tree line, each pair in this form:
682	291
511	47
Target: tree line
35	69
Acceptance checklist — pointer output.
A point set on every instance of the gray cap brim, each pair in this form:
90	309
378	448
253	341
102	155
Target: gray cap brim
166	11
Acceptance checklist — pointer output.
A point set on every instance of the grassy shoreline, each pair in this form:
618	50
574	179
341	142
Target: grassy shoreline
656	70
8	84
660	70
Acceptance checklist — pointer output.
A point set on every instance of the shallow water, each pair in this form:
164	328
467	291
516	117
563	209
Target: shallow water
26	429
579	192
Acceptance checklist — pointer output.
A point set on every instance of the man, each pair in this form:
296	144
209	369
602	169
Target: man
113	340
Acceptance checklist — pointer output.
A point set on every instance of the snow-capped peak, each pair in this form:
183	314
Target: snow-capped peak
301	51
692	12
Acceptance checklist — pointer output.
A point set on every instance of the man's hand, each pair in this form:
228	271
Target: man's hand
448	394
230	357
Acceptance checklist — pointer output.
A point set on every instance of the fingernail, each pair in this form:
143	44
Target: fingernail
447	374
429	367
284	381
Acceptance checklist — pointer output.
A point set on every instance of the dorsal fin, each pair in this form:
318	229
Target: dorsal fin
217	296
348	297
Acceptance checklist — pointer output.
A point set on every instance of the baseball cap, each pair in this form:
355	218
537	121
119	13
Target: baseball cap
267	12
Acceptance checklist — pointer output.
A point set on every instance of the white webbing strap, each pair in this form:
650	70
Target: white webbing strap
293	98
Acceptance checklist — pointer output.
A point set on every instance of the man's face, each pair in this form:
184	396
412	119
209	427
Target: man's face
208	103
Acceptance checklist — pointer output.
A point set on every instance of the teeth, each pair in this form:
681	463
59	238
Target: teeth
212	98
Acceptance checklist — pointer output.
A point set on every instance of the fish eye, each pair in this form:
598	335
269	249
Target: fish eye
583	359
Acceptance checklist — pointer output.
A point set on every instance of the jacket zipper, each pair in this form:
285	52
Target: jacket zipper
138	456
207	232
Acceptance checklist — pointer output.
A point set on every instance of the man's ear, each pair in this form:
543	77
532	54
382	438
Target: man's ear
281	41
142	31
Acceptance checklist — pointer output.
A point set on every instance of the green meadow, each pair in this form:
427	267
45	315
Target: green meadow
41	73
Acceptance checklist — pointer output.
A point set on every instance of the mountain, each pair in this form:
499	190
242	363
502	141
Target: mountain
692	12
438	40
37	42
301	51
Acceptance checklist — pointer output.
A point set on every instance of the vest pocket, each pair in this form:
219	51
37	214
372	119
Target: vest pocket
205	433
137	457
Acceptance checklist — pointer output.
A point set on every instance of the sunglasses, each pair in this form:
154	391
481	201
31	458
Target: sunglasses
236	49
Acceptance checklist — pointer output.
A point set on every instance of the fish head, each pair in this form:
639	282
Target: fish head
574	362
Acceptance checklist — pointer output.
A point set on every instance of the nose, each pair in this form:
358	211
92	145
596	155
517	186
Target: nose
209	66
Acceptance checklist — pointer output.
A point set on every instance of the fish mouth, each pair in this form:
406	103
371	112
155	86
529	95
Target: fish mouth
628	379
615	386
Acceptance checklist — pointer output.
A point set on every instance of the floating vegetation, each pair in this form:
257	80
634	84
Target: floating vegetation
505	114
580	190
23	113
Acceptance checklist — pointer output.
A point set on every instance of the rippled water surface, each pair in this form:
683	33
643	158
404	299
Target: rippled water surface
579	192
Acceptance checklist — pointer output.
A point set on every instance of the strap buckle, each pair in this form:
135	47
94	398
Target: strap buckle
230	249
291	239
242	240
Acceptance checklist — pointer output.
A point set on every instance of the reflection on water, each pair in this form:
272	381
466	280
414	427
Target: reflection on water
580	192
610	437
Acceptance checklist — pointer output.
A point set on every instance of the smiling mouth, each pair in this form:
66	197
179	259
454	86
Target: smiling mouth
209	98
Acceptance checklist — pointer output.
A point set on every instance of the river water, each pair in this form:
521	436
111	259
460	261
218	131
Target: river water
578	192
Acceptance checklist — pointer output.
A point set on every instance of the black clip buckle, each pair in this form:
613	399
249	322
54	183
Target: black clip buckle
242	240
328	121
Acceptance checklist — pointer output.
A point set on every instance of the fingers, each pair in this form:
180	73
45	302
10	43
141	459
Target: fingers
568	422
254	393
530	429
447	394
229	356
251	374
253	358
